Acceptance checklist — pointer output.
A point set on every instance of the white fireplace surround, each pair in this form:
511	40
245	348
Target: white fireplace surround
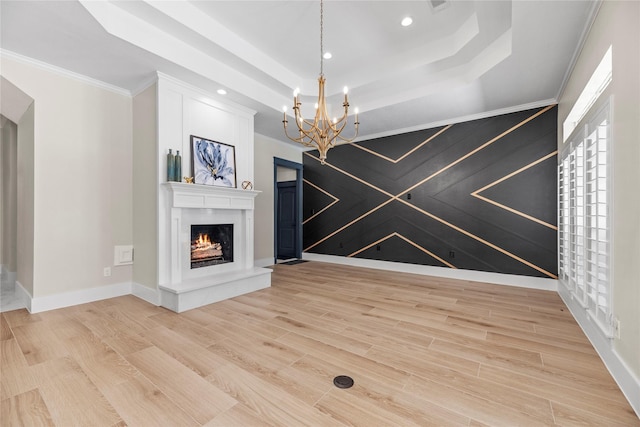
184	288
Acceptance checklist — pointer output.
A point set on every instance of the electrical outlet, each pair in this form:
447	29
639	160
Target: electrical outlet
107	271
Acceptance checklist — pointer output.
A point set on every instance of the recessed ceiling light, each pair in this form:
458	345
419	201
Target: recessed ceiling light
222	92
327	55
406	21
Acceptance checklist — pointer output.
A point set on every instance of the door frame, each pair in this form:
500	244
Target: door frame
298	168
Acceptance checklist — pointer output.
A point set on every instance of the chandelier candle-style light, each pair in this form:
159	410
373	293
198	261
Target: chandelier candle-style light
321	132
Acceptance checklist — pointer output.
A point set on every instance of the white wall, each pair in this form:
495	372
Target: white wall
8	194
79	170
265	150
617	25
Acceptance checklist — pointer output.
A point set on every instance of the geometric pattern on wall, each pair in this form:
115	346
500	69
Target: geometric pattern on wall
478	195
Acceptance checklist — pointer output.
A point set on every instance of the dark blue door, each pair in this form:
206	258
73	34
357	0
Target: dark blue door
287	217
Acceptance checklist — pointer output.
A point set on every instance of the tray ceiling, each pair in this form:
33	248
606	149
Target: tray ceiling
460	60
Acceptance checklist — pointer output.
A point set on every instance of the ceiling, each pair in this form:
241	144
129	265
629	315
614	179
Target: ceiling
458	61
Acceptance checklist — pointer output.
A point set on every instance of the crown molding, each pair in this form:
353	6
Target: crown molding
460	119
7	54
203	94
146	84
593	14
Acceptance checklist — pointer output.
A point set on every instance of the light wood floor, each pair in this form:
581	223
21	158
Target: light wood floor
422	351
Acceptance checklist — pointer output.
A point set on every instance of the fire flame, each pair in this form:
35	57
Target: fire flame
203	241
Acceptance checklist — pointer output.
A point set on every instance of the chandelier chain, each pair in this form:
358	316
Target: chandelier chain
321	37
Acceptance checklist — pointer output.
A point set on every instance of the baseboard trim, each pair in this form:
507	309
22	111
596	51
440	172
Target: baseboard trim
629	383
451	273
150	295
83	296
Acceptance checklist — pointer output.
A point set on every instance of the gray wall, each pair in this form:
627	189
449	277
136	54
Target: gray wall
145	188
265	150
8	194
74	181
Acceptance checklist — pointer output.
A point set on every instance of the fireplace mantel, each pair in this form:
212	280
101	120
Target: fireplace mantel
182	288
199	196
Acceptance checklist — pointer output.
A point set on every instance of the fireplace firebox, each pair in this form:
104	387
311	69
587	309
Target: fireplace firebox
211	244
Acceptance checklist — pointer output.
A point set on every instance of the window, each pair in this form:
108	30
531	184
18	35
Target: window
584	220
598	82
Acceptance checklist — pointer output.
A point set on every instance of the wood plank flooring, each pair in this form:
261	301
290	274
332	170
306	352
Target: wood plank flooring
422	351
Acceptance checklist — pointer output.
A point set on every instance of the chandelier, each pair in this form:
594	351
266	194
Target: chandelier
321	132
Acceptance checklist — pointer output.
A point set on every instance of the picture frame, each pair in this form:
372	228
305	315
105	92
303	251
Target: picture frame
213	162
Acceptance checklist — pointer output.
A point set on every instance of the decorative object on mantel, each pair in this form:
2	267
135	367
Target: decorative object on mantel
213	163
321	132
188	179
247	185
177	173
171	166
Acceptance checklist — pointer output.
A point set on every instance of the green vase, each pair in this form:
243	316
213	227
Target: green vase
178	167
171	166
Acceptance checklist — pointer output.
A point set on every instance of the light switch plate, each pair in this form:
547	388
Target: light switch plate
123	255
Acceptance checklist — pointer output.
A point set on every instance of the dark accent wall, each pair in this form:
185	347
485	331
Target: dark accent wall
478	195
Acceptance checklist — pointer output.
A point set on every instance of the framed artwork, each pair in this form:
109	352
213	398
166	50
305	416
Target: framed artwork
213	163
